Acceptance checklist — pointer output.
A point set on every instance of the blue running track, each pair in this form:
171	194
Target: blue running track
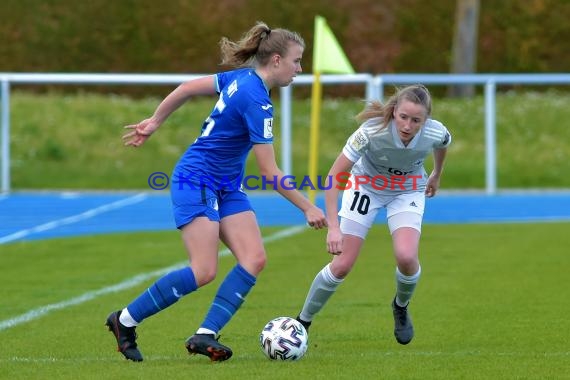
42	215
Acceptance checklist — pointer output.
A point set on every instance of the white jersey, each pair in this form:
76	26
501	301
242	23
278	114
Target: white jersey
383	163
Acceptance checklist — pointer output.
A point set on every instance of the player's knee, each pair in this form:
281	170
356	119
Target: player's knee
255	262
342	273
408	263
340	269
259	263
204	275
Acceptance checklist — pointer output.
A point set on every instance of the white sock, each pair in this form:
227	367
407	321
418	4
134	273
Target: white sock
202	330
126	319
405	286
322	288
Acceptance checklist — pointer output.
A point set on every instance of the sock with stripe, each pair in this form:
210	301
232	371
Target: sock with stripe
229	298
323	287
164	292
405	286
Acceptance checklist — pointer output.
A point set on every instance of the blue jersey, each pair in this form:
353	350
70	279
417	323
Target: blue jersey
242	116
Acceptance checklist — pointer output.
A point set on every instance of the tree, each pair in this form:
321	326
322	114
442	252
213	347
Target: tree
464	59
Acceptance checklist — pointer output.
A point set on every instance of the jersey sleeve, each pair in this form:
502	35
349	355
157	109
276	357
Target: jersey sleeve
259	121
356	144
445	141
221	79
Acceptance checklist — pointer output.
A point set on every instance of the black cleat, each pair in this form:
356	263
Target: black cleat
403	328
208	345
305	324
126	337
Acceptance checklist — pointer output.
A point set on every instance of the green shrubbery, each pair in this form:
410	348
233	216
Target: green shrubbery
62	142
74	141
379	36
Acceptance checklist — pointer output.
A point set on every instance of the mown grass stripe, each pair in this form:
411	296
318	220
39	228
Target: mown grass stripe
129	283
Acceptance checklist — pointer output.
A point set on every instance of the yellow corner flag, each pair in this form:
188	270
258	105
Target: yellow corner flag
328	57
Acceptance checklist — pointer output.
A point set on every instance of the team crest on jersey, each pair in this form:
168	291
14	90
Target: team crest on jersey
268	128
358	140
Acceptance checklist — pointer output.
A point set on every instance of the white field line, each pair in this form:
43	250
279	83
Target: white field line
73	219
129	283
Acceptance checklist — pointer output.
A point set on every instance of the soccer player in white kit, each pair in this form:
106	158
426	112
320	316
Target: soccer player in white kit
385	158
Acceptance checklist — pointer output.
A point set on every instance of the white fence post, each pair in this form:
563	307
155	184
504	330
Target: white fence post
286	112
5	145
490	138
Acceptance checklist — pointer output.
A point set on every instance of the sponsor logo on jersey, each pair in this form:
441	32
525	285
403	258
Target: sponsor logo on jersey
232	88
358	141
268	128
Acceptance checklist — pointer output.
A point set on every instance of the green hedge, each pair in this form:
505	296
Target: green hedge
181	36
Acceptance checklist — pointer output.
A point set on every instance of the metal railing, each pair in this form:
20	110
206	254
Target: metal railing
374	89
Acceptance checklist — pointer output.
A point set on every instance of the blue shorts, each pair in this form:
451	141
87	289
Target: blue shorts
190	203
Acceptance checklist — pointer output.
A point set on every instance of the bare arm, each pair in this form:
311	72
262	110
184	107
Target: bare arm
140	132
265	156
341	165
334	237
434	178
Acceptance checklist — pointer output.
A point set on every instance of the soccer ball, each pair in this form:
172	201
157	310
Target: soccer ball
284	338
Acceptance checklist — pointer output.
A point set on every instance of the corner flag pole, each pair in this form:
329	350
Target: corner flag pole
328	57
316	92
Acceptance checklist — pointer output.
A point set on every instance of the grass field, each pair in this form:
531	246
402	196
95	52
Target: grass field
492	304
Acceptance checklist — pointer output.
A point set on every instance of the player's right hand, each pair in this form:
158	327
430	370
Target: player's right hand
316	218
140	132
334	241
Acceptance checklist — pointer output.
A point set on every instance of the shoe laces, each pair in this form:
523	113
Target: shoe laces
130	335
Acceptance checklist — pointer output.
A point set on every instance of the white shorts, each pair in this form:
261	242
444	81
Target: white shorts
362	206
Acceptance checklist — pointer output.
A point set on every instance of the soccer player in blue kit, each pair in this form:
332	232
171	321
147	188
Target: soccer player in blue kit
208	202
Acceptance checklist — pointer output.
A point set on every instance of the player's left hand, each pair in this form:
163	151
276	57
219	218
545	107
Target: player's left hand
432	186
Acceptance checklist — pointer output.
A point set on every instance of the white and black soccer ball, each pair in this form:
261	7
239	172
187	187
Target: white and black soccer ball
284	338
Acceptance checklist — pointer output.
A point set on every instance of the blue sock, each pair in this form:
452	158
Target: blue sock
229	298
163	293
